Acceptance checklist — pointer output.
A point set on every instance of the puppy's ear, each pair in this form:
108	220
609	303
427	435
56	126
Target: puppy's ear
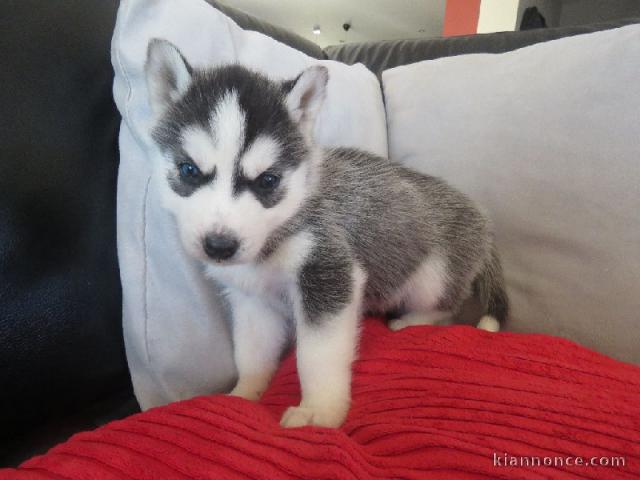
305	95
167	74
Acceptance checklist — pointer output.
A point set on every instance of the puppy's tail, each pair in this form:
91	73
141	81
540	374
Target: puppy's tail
489	289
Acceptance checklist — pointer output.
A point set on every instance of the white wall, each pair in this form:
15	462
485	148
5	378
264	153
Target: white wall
371	20
497	16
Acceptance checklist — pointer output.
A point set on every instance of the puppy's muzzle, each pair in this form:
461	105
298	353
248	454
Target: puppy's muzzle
220	247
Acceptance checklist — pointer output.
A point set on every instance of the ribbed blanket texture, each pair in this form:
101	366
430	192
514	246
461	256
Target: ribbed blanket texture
428	403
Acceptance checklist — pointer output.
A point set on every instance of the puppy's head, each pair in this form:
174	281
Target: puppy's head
237	153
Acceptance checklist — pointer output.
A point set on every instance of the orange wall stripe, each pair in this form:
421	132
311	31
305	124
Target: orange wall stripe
461	17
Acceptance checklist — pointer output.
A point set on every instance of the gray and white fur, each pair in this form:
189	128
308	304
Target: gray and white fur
305	240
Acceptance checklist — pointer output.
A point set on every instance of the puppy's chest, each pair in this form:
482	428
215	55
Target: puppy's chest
274	286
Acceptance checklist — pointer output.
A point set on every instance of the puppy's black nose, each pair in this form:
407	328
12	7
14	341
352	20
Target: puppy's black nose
220	247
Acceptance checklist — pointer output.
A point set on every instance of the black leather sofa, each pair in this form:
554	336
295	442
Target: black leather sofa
62	362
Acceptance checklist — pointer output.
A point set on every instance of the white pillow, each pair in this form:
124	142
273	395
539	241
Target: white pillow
177	341
547	138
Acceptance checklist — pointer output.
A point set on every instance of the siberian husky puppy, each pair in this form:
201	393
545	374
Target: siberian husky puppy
304	240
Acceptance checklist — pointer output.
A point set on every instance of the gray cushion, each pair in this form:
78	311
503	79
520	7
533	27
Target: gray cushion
546	138
379	56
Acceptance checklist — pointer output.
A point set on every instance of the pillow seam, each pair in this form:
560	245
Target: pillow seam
127	117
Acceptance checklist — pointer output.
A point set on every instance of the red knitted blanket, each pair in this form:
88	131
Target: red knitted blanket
428	403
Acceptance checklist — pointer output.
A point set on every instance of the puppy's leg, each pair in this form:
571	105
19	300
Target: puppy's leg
259	335
429	317
426	296
489	323
327	336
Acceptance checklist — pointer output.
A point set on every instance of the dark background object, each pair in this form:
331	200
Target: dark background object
532	18
61	345
62	362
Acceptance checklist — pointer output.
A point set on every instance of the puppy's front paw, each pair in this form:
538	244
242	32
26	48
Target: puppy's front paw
248	394
300	416
251	387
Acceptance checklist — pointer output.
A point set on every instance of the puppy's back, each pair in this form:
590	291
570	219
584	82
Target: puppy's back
394	217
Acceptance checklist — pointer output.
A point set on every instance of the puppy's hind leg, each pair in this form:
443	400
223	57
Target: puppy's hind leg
415	318
423	296
489	323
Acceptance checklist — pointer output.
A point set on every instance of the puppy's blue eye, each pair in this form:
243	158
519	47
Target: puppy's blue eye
267	181
188	170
